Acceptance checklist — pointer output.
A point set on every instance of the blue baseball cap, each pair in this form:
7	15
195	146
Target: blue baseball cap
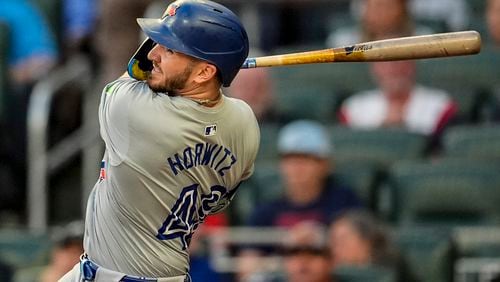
304	137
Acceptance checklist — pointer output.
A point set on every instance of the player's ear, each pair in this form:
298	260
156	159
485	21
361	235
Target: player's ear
205	72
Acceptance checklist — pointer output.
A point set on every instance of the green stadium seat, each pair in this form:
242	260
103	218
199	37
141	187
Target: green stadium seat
449	192
243	203
269	182
480	142
263	186
31	274
361	178
300	100
342	78
268	148
21	249
379	147
469	72
477	241
368	273
478	253
428	252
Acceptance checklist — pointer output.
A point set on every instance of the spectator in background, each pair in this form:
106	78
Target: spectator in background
380	19
254	86
32	50
66	252
454	14
305	165
493	21
306	254
80	18
357	238
309	195
399	102
32	53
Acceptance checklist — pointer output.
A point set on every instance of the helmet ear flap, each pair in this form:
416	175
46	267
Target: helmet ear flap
139	67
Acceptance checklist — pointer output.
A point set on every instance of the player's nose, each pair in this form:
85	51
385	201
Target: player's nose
153	53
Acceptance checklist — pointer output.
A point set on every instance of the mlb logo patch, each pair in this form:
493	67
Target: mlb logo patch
210	130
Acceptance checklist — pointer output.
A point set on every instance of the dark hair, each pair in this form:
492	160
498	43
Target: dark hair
374	232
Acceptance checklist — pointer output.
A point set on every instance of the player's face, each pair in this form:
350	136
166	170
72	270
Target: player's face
171	70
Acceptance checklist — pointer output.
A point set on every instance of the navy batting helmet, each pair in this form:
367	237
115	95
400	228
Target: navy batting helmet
204	30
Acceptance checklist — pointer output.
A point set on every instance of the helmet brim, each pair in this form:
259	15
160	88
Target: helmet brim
158	32
161	34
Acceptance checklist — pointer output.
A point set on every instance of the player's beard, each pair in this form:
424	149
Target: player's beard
170	85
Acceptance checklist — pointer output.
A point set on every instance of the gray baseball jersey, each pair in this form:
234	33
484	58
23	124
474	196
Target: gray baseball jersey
169	162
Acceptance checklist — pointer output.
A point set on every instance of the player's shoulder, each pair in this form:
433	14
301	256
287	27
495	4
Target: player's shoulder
239	105
241	111
127	84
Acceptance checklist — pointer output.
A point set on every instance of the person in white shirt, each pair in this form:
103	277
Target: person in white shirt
398	102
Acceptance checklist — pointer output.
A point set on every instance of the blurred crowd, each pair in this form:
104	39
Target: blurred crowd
335	199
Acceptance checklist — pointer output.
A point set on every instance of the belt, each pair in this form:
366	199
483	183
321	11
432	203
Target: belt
89	269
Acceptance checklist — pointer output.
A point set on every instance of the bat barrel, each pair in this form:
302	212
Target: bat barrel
404	48
414	47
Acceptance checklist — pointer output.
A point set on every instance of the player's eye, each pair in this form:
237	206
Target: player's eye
170	51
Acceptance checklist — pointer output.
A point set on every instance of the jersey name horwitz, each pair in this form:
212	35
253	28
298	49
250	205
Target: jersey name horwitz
215	156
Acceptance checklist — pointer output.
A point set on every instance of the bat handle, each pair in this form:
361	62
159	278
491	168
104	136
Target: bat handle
249	63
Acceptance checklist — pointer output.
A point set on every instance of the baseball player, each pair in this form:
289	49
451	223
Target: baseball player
176	147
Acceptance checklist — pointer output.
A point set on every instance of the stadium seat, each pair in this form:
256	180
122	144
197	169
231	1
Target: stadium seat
449	192
263	186
268	148
480	142
478	253
477	241
304	101
31	274
380	147
269	183
21	249
362	178
428	252
343	78
368	273
469	72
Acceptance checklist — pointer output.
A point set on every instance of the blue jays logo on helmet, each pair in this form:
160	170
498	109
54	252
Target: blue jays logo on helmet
170	11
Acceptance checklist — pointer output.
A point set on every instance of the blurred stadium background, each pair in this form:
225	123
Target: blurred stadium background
444	209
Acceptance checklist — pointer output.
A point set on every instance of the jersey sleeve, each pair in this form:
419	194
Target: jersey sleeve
114	114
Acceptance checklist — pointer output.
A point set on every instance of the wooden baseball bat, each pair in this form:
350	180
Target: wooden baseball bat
403	48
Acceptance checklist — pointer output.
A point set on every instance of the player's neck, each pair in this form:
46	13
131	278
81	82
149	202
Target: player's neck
207	95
